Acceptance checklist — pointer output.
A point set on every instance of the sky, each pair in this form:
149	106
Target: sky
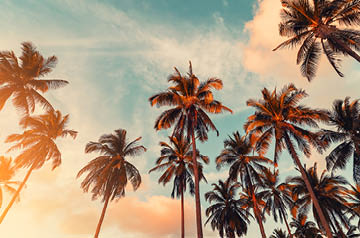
116	54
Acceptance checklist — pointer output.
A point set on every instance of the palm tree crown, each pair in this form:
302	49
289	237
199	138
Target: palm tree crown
331	192
227	214
21	80
109	173
38	140
345	117
317	26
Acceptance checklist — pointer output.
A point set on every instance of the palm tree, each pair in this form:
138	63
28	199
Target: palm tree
7	172
176	160
21	80
330	191
276	196
315	25
38	144
227	215
279	116
345	117
109	173
305	228
190	100
238	152
278	233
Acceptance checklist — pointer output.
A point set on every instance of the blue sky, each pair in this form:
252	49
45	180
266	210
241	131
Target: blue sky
116	54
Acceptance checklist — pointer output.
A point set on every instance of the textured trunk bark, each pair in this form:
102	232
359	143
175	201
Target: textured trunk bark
309	188
182	211
197	188
101	218
356	163
16	194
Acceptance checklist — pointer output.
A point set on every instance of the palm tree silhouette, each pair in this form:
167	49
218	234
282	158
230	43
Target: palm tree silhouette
315	25
304	228
345	117
279	116
190	100
176	160
38	144
109	173
330	191
20	78
238	152
227	215
276	196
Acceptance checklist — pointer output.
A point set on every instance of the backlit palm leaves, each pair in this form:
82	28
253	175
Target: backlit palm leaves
7	172
20	78
237	152
278	233
278	115
305	228
331	193
227	214
109	173
318	26
345	117
176	160
190	101
276	196
38	144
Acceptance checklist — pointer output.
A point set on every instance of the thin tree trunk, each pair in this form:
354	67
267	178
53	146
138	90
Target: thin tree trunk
258	217
309	188
197	188
16	194
182	210
286	223
101	217
256	209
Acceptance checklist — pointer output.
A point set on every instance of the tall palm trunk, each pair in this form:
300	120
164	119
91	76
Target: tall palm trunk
197	188
255	206
16	194
308	186
356	162
182	210
101	217
286	223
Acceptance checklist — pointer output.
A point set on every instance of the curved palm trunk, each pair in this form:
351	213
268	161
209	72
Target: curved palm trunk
16	194
197	189
101	218
182	211
308	187
356	163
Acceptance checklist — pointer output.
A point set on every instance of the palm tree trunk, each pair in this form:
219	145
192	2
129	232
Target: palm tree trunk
101	217
308	186
258	217
197	188
356	163
286	223
16	194
256	208
182	210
